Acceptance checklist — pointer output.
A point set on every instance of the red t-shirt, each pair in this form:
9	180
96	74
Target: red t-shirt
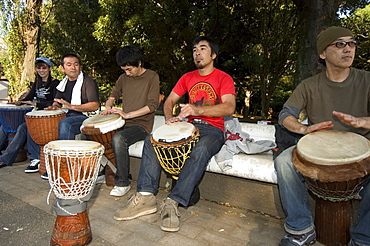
205	91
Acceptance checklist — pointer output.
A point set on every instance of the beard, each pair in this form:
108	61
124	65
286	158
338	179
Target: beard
199	65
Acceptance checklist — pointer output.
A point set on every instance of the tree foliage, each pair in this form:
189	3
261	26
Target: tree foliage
262	42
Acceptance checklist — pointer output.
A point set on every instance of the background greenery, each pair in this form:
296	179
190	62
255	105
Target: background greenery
265	45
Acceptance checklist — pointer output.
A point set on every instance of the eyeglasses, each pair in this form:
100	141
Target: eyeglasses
42	67
344	44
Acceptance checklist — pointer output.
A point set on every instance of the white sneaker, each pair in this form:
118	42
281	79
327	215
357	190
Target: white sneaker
119	191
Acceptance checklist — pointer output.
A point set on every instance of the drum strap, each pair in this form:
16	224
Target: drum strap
104	161
64	207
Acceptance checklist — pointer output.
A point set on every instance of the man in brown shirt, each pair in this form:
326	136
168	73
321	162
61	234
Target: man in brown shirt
139	89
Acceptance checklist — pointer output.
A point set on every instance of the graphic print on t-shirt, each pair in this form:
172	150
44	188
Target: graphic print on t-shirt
42	93
203	94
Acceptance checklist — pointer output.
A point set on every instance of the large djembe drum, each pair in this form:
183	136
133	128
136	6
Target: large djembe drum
73	167
335	165
172	143
101	128
42	126
12	116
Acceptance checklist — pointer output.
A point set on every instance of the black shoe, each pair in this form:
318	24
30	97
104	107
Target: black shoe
308	238
2	164
33	167
45	176
353	243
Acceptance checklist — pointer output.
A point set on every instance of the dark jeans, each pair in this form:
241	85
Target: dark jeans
70	126
210	142
11	152
121	142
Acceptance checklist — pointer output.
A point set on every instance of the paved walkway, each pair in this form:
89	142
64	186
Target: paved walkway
27	219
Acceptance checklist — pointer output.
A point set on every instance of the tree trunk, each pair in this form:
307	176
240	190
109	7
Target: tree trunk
31	40
316	15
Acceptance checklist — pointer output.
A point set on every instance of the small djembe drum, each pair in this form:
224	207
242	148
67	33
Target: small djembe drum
172	143
335	165
11	117
42	126
73	167
101	128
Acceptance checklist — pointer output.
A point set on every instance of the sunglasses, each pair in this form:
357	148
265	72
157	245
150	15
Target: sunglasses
344	44
42	67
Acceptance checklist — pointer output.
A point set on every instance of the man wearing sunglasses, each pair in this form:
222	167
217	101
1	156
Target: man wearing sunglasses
338	99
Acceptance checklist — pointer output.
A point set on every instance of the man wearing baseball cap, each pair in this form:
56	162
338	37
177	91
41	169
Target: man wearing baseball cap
335	99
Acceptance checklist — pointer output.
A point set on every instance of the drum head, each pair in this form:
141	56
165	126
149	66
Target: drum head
100	119
333	147
13	106
73	145
174	132
40	113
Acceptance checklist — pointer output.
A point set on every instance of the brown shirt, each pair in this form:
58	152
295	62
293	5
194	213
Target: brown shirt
138	92
320	97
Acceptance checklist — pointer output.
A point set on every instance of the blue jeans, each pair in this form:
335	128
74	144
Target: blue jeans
294	197
210	142
17	143
69	127
121	142
3	137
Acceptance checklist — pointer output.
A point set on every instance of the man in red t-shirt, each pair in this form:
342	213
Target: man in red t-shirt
211	97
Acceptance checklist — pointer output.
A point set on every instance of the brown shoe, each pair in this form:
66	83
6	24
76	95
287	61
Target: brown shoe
170	215
138	205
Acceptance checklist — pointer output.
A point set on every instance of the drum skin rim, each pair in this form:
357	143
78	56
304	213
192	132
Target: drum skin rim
87	123
48	113
175	144
331	173
75	146
333	147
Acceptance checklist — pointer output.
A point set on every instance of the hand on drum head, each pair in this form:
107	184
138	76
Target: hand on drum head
15	103
53	107
319	126
351	120
189	109
118	111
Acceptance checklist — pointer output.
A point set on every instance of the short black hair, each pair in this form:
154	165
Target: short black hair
69	55
212	44
129	56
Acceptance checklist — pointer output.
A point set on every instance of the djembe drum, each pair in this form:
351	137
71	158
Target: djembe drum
172	143
101	128
12	116
335	165
73	167
42	126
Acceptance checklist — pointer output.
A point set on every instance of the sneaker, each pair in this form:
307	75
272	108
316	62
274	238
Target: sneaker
138	205
33	167
170	215
308	238
119	191
45	176
100	179
353	243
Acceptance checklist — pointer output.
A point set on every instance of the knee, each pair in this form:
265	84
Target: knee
119	141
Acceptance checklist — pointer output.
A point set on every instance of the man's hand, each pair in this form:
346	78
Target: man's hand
319	126
189	109
351	120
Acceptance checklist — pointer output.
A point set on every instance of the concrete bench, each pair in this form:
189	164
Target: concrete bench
258	167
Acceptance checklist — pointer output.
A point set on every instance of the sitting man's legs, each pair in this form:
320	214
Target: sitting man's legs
295	199
121	142
209	144
69	127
